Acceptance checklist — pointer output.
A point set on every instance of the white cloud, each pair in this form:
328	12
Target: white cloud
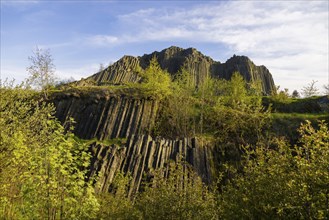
289	37
102	40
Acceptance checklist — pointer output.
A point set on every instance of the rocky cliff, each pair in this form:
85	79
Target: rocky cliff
118	127
248	70
141	155
106	116
118	124
199	66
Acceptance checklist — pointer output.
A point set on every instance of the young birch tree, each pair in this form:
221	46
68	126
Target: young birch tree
41	70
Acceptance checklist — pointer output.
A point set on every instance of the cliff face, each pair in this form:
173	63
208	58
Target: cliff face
199	66
124	70
110	117
174	58
104	116
141	155
248	70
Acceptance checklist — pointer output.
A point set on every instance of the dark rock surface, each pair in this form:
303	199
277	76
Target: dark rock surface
248	70
200	66
107	117
141	155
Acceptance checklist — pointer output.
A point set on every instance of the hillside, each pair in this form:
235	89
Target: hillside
108	115
152	131
172	133
198	65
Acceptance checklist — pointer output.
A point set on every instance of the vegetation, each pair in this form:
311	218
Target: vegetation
326	89
275	181
272	163
310	89
211	107
174	193
282	181
43	168
293	105
41	70
155	81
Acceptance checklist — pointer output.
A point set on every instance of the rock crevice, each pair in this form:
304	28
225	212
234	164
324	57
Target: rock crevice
142	154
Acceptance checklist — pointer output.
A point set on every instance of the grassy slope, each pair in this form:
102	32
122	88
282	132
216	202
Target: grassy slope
290	113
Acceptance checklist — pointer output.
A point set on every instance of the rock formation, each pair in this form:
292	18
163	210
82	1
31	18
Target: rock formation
200	66
105	116
111	116
248	70
141	155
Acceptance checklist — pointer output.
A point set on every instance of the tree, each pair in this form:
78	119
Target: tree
41	70
326	89
238	115
177	112
238	90
279	181
101	67
280	96
310	89
42	167
295	94
155	81
177	193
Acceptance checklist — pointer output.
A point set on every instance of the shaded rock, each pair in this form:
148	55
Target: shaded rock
173	59
106	116
248	70
142	154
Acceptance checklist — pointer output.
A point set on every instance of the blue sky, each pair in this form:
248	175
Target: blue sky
289	37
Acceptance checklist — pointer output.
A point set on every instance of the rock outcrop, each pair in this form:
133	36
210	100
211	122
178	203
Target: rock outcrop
141	155
103	116
124	70
199	66
107	117
248	70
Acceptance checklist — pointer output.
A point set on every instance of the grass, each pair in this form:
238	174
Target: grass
291	105
302	116
286	124
133	90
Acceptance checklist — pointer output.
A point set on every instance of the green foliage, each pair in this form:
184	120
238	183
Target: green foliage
237	91
155	82
215	106
237	116
238	126
116	204
281	182
280	96
181	195
293	105
175	192
178	112
43	168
